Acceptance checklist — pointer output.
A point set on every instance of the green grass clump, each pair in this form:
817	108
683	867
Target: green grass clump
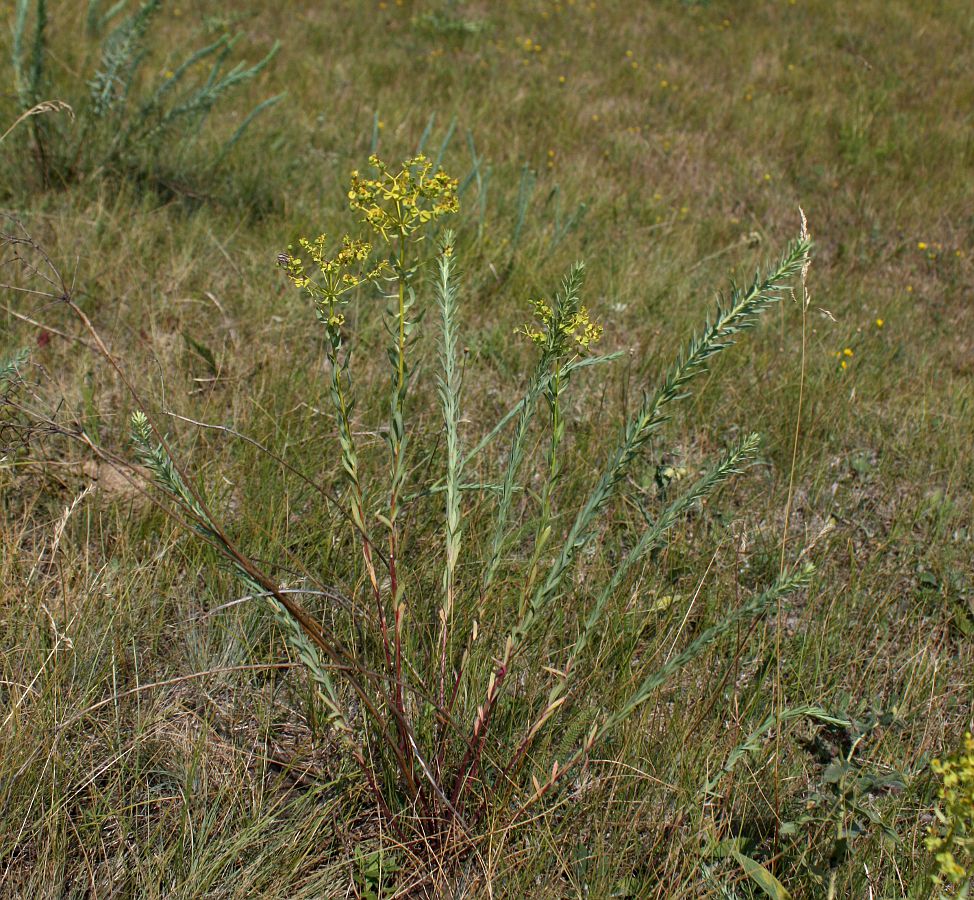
125	122
160	731
418	680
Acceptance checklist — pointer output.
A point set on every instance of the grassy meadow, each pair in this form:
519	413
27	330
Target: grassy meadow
161	738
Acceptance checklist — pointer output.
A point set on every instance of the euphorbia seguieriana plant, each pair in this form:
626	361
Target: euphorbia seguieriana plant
431	699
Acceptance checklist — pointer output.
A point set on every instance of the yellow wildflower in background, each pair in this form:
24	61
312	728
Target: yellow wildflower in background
398	204
952	840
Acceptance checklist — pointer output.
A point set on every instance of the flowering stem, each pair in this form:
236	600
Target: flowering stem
543	532
397	441
339	394
515	458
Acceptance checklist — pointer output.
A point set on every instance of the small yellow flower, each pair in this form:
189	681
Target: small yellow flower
848	352
880	323
557	329
953	835
921	245
561	79
336	277
170	73
844	364
398	205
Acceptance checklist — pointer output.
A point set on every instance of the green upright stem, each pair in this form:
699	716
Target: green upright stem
543	532
397	439
342	406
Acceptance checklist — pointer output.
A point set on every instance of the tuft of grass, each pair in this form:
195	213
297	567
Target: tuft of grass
126	123
440	761
835	111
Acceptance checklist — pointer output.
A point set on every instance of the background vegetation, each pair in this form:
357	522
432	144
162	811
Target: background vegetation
154	740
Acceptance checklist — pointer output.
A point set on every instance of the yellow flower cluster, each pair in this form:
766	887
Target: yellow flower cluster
577	327
955	834
396	205
847	352
337	276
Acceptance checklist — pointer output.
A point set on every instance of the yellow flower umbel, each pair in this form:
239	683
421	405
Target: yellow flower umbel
574	328
952	840
398	205
338	276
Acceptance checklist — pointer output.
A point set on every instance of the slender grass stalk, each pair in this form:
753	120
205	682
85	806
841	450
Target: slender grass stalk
524	191
779	699
45	106
449	390
563	373
738	314
29	73
514	459
154	457
730	465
